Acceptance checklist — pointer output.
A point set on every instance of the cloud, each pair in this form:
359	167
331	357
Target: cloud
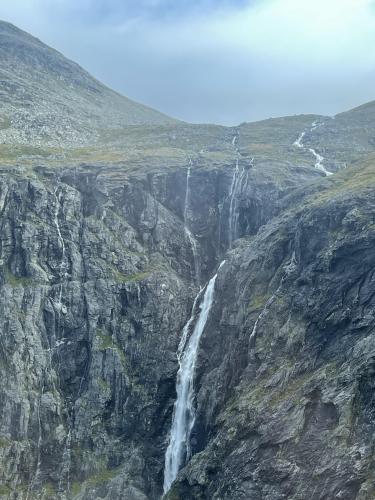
224	61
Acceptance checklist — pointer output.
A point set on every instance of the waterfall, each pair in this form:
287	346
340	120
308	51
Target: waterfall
319	159
263	313
298	143
61	309
66	462
63	265
178	451
232	203
319	162
189	235
235	189
35	478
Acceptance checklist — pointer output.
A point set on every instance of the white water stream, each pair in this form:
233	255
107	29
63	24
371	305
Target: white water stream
61	309
319	159
35	478
232	205
239	181
179	451
63	264
189	235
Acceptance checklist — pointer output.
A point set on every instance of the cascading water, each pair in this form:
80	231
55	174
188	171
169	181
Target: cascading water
63	265
178	451
61	309
239	179
35	478
298	143
232	201
319	158
188	233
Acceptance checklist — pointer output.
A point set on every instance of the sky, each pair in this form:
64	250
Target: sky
216	61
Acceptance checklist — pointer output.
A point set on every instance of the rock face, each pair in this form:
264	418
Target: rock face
97	280
48	100
284	386
99	266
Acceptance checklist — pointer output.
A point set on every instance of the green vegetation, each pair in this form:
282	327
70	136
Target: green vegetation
76	488
258	301
16	281
357	178
172	495
49	490
102	476
120	277
10	153
106	341
4	442
103	384
4	122
368	487
5	490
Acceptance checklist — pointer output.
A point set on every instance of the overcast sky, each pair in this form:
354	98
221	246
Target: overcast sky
222	61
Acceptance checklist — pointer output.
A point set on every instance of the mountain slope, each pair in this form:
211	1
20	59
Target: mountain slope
47	99
345	138
109	226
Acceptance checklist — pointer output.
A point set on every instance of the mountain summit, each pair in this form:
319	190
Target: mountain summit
50	100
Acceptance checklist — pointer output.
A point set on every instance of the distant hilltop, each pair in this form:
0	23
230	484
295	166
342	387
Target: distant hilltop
46	99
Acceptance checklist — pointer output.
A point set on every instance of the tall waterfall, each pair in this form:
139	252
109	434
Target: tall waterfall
63	264
188	233
64	473
178	451
232	200
238	181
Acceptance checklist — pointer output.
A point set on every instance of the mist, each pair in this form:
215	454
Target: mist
223	62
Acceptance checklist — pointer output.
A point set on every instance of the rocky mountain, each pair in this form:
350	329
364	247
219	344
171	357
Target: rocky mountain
110	224
47	100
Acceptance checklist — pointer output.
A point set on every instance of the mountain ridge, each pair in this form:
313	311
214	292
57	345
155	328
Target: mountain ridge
48	99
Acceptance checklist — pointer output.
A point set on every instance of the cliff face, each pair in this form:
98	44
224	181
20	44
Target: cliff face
285	377
102	253
97	281
86	332
98	278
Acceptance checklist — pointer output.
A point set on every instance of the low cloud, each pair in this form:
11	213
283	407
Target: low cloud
223	61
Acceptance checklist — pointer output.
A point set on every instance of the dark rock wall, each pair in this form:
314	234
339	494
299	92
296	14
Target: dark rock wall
284	404
97	280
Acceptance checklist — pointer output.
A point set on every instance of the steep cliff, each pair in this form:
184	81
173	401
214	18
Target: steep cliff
286	365
103	250
98	278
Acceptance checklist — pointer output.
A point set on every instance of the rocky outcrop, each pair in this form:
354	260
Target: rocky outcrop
82	304
48	100
97	281
286	363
